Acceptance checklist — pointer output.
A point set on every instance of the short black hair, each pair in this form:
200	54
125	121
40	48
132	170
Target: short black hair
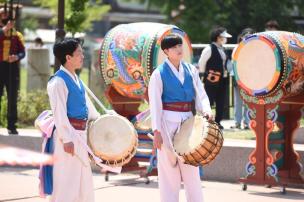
38	40
65	47
272	24
170	40
245	32
216	32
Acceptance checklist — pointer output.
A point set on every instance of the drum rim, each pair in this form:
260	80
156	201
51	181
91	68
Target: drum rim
162	33
202	160
271	40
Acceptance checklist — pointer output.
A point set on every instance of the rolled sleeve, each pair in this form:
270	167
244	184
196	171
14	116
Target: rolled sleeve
58	94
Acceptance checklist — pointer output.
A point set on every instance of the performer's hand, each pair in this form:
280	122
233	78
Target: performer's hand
12	58
8	26
69	148
158	140
209	116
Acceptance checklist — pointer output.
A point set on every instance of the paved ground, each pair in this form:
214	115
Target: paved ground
21	184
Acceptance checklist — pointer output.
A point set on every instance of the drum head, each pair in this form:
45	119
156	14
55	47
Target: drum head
112	137
257	65
191	135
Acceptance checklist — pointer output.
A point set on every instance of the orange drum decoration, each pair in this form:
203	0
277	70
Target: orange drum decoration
129	54
269	69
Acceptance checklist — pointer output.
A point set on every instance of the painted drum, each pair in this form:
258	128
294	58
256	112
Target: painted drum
269	61
130	52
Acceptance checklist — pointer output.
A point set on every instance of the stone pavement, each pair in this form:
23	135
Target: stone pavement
21	185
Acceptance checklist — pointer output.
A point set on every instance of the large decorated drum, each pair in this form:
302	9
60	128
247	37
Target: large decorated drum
130	52
267	62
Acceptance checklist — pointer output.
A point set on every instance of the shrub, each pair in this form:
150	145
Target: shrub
3	111
30	105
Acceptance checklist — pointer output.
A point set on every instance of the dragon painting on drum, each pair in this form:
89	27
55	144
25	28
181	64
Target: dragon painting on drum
124	64
295	81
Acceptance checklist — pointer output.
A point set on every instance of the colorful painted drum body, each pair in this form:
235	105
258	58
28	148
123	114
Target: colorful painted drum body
130	52
270	61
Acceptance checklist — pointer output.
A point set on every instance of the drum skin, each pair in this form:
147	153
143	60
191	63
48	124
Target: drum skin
270	61
130	52
113	139
198	141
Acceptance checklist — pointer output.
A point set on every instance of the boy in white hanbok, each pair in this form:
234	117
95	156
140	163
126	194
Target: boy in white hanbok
71	107
172	97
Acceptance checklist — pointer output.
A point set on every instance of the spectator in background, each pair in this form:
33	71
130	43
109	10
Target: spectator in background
272	25
38	43
240	110
212	64
12	50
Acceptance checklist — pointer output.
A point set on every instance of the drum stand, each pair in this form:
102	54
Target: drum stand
274	162
128	107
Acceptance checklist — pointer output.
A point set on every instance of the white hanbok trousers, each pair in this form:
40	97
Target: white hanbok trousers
72	175
170	176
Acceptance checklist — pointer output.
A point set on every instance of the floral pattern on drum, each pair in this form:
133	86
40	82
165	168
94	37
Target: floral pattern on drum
124	68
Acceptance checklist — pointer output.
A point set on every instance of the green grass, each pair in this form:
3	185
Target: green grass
84	76
23	80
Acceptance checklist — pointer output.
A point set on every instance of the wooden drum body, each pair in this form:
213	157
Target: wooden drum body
198	141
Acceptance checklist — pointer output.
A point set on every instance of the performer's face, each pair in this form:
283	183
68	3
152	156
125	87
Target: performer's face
76	59
175	53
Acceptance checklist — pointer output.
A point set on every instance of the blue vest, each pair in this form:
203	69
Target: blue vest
76	103
173	89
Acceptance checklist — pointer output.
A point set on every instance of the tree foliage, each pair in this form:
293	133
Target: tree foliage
197	17
79	14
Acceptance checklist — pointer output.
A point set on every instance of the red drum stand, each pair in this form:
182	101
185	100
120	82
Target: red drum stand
143	161
274	162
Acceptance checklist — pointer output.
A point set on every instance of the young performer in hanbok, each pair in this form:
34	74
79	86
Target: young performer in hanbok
171	96
71	107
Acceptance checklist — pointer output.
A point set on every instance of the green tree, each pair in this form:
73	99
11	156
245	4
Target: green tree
197	17
79	14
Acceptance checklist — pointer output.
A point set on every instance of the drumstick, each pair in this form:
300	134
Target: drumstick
96	99
150	136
